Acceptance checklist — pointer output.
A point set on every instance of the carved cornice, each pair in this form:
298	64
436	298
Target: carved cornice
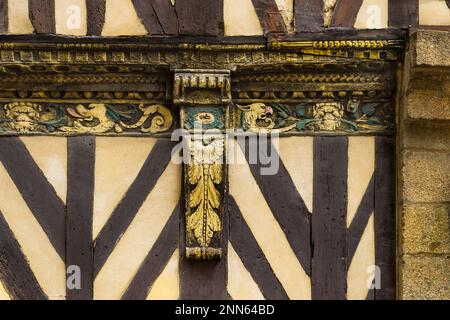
197	54
204	87
60	75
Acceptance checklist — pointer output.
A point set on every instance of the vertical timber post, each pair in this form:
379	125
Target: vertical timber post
204	97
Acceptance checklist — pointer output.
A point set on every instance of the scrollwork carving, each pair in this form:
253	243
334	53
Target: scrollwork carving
329	116
93	118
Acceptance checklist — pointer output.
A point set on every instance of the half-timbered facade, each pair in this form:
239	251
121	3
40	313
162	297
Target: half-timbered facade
289	112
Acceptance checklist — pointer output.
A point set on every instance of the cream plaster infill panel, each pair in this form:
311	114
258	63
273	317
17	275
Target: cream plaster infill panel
121	19
51	160
241	285
3	293
240	18
19	21
373	14
47	266
71	17
167	285
434	13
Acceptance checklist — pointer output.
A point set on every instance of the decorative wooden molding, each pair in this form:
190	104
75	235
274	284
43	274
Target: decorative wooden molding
204	113
129	88
204	87
198	55
330	116
75	119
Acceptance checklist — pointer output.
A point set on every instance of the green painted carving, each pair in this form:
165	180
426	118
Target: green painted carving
316	117
204	118
93	118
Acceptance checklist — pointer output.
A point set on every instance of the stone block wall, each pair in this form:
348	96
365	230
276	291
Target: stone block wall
424	169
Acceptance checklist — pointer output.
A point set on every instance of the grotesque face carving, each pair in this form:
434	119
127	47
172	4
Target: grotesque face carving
24	116
329	115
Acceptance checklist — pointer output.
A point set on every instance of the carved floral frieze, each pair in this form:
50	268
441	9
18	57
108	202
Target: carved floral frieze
89	118
330	117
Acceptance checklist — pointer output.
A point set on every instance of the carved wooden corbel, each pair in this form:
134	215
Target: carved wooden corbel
204	97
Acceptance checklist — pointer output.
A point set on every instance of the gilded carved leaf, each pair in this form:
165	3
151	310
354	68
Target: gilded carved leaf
204	197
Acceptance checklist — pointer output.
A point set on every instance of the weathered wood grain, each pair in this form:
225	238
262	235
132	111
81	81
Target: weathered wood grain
269	16
403	14
156	260
359	222
42	15
15	272
38	193
345	13
148	17
308	15
95	16
252	256
370	295
166	15
123	214
200	17
384	216
3	16
286	204
329	229
80	202
203	280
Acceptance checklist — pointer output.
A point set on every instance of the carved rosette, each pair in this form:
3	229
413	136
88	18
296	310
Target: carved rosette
204	97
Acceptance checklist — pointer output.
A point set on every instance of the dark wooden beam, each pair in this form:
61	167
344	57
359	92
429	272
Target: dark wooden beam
286	205
200	17
15	272
308	15
166	15
384	216
126	210
203	280
403	14
345	13
38	193
252	256
360	220
156	260
269	16
42	15
329	226
3	16
95	16
80	202
148	17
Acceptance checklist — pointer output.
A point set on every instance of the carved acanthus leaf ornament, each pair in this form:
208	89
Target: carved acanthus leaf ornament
205	173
